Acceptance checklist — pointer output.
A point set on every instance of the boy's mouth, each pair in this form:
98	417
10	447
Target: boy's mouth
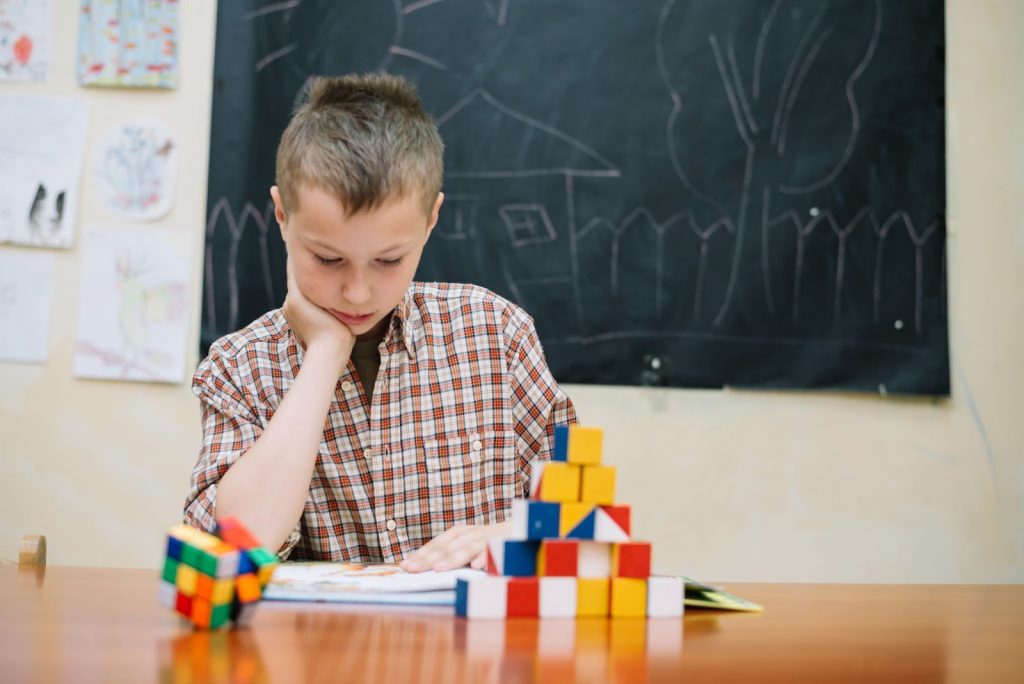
352	319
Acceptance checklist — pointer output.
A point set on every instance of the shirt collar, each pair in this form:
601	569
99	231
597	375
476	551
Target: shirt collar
406	323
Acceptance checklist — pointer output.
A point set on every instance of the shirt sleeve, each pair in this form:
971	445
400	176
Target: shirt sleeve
538	402
231	426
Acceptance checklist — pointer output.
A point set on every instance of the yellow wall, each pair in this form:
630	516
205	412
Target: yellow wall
729	485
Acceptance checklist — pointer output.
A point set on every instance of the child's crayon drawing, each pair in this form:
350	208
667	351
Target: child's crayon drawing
128	43
25	28
136	163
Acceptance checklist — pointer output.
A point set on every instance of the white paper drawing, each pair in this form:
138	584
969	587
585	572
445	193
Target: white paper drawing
42	145
133	315
26	290
135	164
25	33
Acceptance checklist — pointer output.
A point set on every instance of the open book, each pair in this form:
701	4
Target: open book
386	583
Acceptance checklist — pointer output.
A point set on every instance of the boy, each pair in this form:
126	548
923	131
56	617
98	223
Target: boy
370	419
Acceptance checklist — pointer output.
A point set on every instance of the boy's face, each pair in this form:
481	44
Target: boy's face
356	267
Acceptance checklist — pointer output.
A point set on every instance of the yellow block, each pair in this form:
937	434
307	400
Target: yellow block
223	592
187	579
571	514
629	597
592	596
560	482
598	484
584	445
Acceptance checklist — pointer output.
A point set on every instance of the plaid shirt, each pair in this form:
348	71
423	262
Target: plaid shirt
463	404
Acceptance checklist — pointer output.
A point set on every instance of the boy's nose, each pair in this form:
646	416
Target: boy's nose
357	290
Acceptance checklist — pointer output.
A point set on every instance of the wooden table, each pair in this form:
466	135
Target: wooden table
105	625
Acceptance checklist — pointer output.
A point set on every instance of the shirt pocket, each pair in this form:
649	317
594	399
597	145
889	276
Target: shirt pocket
471	478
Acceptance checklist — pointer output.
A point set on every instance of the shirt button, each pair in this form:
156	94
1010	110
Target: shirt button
368	453
477	445
391	525
346	386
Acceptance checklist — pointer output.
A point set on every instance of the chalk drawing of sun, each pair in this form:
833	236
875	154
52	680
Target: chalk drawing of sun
332	37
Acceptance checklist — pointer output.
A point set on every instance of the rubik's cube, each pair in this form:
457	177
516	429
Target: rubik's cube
213	579
570	553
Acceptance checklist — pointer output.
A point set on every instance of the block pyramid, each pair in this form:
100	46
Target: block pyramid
570	553
214	579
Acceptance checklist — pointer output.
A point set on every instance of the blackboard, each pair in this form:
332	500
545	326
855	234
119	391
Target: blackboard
681	192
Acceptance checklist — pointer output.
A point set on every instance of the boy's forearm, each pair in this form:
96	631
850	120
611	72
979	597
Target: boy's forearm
267	487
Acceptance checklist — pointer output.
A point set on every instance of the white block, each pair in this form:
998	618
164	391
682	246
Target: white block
594	559
167	594
519	516
496	547
536	473
227	565
664	597
607	530
557	597
487	598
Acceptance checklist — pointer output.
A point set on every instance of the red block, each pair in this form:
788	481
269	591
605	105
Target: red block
184	605
523	597
559	558
634	560
491	567
620	514
234	533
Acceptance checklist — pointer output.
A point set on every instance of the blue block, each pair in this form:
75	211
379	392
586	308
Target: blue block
520	558
174	548
245	564
584	528
542	519
561	443
461	597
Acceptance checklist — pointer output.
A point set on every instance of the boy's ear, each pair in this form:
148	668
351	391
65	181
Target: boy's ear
434	213
275	194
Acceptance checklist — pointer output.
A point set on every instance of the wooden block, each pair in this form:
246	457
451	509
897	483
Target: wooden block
597	484
227	558
594	559
170	573
631	559
664	597
183	604
534	519
560	452
558	558
204	587
592	596
555	481
201	613
220	615
223	591
612	524
512	557
235	533
481	597
557	597
585	444
167	594
577	521
628	597
523	598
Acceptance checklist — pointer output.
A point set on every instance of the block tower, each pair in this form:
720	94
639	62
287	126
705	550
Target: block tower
570	553
212	580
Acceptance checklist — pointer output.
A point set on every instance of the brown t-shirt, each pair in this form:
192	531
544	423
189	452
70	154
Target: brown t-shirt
366	358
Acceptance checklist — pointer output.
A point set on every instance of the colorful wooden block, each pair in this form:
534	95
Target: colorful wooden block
557	597
534	519
577	521
585	444
628	597
552	481
560	451
612	524
523	598
483	597
234	533
665	597
558	558
512	557
188	578
592	596
631	559
594	559
597	484
247	588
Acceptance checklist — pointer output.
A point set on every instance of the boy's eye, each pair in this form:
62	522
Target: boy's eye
389	262
325	261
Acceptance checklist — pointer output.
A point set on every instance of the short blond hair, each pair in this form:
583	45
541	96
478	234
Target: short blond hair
366	138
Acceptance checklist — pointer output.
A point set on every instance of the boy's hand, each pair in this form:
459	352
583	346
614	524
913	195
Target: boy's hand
456	547
310	323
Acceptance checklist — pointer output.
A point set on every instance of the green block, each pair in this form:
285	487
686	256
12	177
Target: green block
190	556
170	570
221	614
260	556
207	563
